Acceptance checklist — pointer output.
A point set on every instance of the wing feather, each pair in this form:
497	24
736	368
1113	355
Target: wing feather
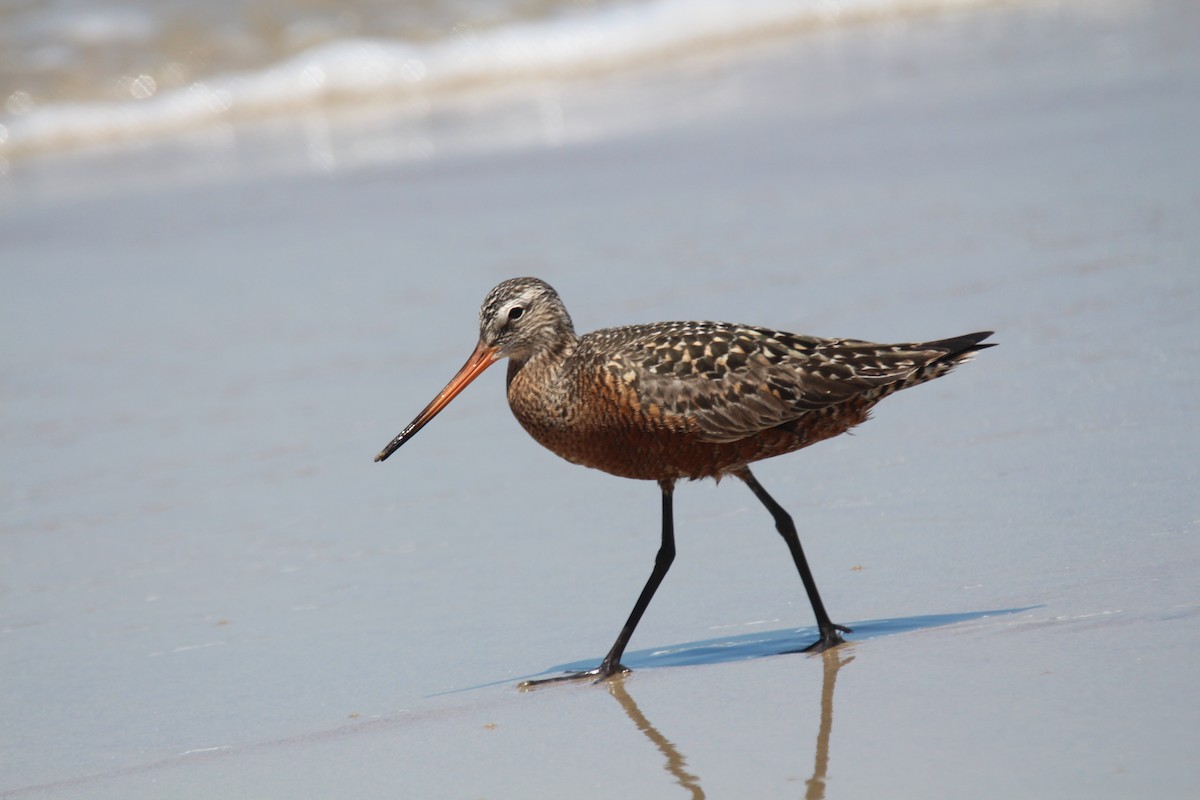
728	382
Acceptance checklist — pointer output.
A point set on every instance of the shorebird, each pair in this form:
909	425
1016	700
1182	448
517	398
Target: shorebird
674	400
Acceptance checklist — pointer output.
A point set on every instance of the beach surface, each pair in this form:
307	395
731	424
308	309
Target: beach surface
208	589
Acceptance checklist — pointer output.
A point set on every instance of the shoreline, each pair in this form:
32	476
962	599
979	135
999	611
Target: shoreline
344	77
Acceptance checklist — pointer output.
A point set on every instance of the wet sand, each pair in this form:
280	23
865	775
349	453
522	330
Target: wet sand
209	588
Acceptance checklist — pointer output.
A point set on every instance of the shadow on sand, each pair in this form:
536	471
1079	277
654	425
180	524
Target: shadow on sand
772	643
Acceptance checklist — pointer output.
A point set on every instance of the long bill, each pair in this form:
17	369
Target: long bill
483	357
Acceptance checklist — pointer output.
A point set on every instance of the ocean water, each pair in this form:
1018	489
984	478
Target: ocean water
84	72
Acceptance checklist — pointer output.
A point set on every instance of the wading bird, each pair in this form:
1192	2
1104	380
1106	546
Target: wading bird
674	400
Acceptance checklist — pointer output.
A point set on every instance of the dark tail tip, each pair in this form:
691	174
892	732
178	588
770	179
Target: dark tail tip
960	347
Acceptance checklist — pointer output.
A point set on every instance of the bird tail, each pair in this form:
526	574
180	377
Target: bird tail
925	361
959	348
946	354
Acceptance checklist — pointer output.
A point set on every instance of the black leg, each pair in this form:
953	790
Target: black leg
787	529
662	562
611	665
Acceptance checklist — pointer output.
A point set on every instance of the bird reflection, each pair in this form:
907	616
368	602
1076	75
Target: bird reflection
833	660
675	760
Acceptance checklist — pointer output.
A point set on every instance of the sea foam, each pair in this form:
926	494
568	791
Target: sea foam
560	47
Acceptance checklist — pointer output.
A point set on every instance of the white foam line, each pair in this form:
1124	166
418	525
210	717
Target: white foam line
557	48
206	750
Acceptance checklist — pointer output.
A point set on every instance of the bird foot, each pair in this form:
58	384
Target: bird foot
830	637
597	675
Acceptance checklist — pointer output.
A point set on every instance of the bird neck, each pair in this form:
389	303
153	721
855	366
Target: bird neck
545	361
540	373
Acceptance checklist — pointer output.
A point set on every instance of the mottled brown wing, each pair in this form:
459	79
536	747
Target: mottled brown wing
732	381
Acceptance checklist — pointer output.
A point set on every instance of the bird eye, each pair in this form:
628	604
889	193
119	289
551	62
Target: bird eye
515	313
